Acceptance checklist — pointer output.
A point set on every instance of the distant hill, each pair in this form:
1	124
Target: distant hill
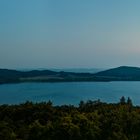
123	73
80	70
14	76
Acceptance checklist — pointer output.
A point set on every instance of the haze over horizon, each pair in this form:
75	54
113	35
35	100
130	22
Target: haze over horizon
69	33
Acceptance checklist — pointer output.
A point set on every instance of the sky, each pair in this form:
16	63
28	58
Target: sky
69	33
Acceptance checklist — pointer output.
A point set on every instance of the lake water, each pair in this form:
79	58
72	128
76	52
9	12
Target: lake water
69	92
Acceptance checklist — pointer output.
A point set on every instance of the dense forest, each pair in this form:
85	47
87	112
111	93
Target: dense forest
91	120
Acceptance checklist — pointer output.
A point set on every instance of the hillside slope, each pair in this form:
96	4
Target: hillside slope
121	73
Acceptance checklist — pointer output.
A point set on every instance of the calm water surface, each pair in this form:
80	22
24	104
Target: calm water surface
69	93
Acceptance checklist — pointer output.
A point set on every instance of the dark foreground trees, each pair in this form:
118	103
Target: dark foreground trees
91	120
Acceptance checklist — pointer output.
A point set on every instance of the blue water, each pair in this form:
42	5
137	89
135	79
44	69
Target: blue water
69	93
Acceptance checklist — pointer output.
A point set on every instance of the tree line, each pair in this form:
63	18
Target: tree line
91	120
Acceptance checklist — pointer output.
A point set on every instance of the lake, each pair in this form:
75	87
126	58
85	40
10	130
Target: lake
69	92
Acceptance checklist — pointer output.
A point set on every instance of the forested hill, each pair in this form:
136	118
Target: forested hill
14	76
122	73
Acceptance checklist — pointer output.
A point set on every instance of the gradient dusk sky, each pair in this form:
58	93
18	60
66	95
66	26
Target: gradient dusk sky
69	33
